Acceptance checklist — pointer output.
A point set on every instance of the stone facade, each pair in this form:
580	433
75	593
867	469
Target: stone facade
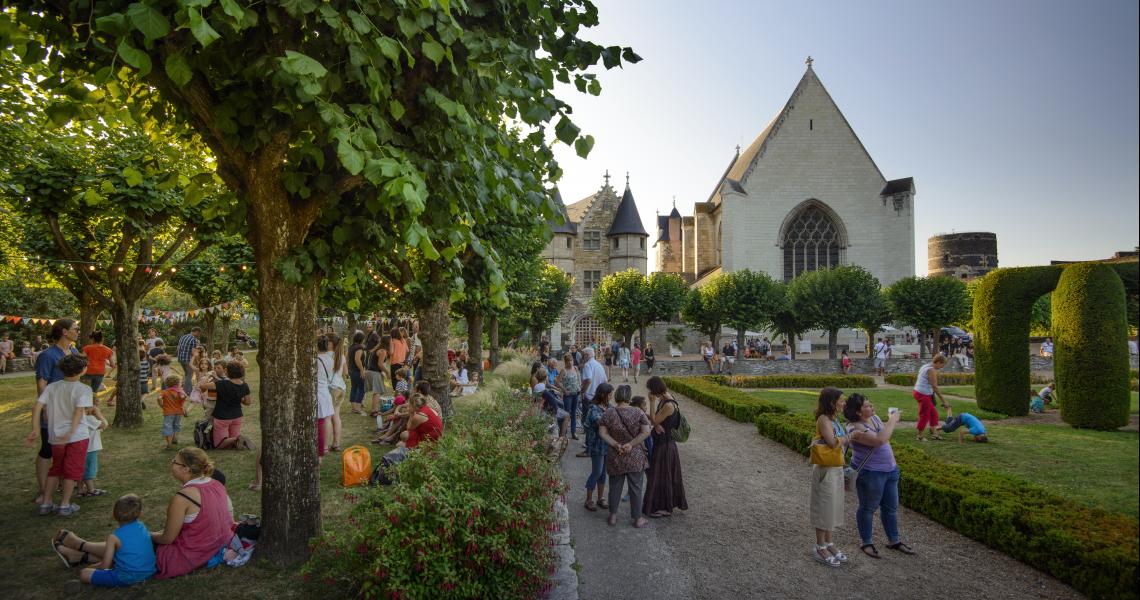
602	235
808	158
964	256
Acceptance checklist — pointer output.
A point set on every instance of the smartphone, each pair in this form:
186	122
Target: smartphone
892	410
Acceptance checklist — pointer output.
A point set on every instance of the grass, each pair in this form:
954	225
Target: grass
1097	468
804	402
134	461
967	391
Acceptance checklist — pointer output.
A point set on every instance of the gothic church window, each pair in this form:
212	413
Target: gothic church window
812	241
591	240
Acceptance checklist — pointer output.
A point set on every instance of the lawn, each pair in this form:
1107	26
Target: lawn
967	391
804	402
134	461
1099	468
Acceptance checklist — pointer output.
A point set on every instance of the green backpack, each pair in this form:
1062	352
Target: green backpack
681	433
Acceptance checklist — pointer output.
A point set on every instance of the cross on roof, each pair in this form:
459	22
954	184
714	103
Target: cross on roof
627	179
809	61
607	177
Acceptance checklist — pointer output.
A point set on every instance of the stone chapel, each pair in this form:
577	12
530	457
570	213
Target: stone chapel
600	234
805	195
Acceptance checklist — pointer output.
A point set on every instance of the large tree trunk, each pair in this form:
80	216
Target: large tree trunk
224	340
475	345
493	340
921	343
740	347
89	309
641	336
128	403
790	347
832	335
434	325
209	320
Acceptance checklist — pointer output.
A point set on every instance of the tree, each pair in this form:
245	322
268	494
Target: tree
786	321
927	304
752	299
667	294
878	314
834	298
546	293
214	278
622	303
705	309
345	128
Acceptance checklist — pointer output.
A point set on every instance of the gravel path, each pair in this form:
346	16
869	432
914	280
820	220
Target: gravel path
747	535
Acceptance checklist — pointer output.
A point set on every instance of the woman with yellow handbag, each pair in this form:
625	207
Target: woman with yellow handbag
827	476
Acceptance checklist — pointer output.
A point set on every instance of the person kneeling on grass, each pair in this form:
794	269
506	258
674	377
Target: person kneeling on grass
972	424
1036	404
126	558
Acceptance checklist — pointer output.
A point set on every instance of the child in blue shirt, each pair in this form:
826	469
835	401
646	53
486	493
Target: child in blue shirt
972	424
1036	403
126	558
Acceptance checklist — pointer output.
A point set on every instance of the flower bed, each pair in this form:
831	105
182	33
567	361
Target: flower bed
1095	551
734	404
793	381
470	516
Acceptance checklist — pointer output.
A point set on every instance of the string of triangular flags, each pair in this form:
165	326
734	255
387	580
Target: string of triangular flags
148	315
19	320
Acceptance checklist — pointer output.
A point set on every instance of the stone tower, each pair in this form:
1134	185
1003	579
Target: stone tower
669	242
627	237
964	256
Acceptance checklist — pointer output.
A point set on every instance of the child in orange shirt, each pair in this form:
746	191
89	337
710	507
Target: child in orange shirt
173	399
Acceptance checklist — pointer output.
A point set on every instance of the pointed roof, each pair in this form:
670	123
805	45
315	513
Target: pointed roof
741	166
567	225
662	228
627	221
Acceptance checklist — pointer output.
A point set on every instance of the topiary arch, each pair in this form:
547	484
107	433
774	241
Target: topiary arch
1090	326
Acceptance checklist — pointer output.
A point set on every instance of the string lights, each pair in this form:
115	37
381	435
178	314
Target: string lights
156	268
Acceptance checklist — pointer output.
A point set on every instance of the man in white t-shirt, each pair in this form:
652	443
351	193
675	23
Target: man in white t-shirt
593	375
882	352
65	403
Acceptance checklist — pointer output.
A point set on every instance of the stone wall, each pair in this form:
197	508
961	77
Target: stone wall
16	365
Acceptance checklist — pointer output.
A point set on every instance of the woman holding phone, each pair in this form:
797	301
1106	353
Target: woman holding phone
878	480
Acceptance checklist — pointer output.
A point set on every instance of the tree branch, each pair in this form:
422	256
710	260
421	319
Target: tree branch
70	253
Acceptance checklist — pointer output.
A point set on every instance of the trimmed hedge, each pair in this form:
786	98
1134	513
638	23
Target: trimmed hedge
1002	304
793	381
908	379
1093	550
1090	328
736	405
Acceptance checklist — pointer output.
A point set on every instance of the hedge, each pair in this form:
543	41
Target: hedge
1095	551
1002	304
734	404
793	381
1090	328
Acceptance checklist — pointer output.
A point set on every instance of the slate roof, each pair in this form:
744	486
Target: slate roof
567	225
663	227
676	214
627	221
898	186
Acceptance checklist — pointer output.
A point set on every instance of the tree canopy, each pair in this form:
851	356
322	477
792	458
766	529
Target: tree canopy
834	298
928	303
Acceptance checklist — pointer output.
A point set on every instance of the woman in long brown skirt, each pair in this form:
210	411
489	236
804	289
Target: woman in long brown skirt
664	490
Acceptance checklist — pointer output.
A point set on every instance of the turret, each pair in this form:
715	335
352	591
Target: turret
627	236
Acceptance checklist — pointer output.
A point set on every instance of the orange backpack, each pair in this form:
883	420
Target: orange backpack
356	466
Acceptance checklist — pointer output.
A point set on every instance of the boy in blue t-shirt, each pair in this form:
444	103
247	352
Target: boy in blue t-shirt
972	424
126	558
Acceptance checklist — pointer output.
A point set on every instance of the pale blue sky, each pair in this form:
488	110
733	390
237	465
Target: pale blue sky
1019	118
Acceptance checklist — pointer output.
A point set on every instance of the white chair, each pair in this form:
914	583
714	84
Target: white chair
803	347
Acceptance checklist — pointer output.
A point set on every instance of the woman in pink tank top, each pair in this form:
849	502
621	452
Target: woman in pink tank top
199	518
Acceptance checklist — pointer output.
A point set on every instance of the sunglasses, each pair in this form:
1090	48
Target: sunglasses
174	461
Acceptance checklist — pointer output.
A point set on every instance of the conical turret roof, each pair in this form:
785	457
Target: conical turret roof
627	221
567	226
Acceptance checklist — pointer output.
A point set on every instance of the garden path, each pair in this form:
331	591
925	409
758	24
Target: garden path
747	535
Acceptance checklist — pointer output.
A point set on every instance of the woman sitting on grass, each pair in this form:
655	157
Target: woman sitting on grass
199	518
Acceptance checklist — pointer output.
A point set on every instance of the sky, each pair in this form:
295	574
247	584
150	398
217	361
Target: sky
1016	117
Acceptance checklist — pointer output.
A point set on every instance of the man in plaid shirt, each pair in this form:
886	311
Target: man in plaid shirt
186	346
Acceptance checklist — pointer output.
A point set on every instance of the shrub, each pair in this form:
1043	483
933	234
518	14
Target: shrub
734	404
1091	331
1002	305
470	516
1095	551
794	381
516	371
908	379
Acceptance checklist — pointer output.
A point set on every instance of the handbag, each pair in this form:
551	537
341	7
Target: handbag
825	456
850	476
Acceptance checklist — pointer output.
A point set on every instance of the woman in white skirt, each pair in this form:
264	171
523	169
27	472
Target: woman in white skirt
827	477
326	363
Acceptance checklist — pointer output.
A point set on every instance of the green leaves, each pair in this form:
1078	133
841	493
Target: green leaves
134	57
200	27
433	51
147	20
566	131
178	70
351	158
302	65
132	176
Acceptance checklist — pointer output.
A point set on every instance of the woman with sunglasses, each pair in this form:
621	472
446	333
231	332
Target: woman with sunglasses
199	517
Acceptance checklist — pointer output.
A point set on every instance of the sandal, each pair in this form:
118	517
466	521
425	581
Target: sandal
334	448
253	487
901	547
83	560
873	553
61	537
641	522
836	552
823	557
96	492
604	504
590	506
612	520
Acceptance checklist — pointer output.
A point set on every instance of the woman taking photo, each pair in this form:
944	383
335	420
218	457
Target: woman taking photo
665	490
624	428
827	477
925	388
597	447
878	479
199	518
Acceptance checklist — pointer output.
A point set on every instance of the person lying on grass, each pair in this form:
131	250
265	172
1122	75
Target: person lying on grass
126	558
972	424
